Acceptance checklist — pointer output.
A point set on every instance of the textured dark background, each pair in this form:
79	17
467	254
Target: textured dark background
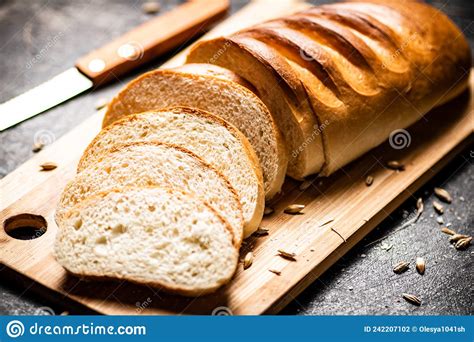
60	31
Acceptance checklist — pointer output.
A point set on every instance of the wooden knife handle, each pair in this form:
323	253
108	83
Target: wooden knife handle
151	39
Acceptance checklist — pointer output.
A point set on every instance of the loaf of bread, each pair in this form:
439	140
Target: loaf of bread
153	236
214	140
145	164
164	197
340	78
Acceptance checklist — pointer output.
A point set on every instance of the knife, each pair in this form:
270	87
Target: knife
147	41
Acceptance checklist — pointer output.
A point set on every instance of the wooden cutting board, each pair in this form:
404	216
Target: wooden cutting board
339	212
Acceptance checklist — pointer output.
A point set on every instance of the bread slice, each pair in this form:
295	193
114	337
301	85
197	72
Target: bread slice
153	236
218	91
217	142
279	87
156	164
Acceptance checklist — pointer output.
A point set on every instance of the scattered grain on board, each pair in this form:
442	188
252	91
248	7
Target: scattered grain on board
401	267
395	165
438	207
37	147
448	231
420	265
260	232
463	243
151	7
48	166
294	209
369	180
457	237
411	299
443	195
287	255
248	260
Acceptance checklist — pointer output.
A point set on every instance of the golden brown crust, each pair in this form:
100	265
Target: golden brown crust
369	68
280	89
428	59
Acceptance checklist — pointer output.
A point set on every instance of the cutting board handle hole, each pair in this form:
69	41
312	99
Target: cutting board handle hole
25	226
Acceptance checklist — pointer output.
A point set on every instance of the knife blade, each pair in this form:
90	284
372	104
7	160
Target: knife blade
147	41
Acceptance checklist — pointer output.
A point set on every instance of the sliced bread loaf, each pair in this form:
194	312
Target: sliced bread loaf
156	164
218	91
154	236
216	141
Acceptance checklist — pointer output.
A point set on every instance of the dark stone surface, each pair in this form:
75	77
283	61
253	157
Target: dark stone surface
39	39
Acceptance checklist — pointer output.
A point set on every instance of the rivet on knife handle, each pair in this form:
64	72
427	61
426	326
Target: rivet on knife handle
151	39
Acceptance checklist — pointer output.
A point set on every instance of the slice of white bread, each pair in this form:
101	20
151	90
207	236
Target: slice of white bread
213	139
218	91
146	164
153	236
